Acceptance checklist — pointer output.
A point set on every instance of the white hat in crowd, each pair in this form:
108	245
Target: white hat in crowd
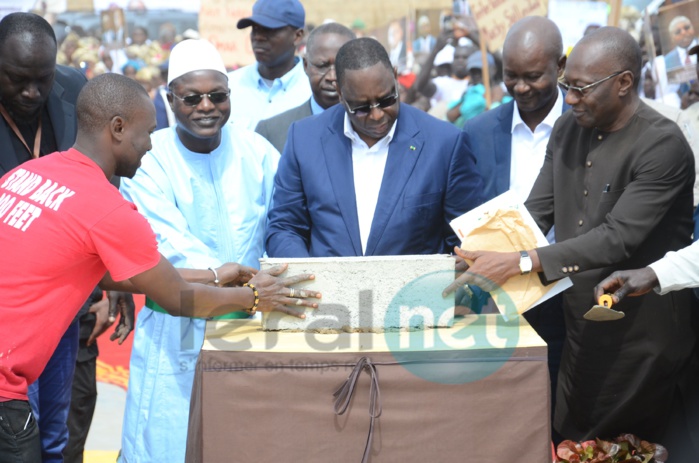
193	55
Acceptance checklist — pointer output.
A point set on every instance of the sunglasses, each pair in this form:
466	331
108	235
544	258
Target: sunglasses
587	89
194	100
383	103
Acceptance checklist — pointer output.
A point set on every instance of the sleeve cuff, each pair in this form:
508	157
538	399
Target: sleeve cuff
662	269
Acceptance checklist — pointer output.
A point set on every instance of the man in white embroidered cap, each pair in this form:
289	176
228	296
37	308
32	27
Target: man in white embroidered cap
205	188
277	81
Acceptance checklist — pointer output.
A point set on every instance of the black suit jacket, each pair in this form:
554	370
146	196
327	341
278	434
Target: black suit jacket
61	108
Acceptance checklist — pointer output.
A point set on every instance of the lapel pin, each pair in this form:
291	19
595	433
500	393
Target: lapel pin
412	148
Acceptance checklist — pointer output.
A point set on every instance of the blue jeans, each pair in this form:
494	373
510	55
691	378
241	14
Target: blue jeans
19	434
50	396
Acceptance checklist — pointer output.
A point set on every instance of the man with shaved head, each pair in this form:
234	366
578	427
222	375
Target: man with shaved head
65	228
617	185
509	142
37	117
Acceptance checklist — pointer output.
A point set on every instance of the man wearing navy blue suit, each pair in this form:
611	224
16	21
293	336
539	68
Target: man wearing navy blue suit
509	142
370	176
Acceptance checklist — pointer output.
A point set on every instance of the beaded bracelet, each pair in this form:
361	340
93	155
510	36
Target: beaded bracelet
253	309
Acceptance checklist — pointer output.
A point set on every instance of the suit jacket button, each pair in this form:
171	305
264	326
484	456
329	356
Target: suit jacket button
576	268
580	222
564	270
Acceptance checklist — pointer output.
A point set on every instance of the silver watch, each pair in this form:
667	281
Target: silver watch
525	263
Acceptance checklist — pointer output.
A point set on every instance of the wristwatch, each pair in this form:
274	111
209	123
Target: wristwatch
525	262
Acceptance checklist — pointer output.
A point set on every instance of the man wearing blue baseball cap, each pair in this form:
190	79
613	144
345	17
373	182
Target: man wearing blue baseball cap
277	81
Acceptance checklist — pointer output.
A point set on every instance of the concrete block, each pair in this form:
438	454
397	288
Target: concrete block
376	293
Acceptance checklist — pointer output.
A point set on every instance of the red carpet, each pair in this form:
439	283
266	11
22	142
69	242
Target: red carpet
113	361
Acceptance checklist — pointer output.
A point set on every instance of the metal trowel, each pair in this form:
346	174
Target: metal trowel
603	312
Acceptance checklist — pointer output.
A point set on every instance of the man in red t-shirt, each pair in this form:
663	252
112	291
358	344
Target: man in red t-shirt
64	228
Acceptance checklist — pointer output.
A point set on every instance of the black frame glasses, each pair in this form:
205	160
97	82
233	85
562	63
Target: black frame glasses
383	103
585	90
195	99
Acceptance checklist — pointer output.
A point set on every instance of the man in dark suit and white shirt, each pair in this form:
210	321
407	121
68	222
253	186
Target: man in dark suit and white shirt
319	63
509	142
371	176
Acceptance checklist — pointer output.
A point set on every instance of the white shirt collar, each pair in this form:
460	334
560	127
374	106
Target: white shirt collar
550	118
286	80
355	139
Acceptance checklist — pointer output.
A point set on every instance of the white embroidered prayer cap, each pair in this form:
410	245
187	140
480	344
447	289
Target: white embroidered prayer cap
193	55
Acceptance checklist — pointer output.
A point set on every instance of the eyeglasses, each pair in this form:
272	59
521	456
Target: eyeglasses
685	28
383	103
194	100
586	90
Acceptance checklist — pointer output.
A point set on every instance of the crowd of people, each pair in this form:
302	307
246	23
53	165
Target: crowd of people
330	152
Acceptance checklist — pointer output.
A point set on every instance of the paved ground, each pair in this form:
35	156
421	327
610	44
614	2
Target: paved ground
104	440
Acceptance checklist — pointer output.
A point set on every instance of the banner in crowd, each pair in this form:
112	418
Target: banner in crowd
12	6
574	17
495	17
114	28
184	5
217	24
676	27
396	38
428	25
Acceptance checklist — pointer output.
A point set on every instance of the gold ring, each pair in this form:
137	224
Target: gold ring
292	292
